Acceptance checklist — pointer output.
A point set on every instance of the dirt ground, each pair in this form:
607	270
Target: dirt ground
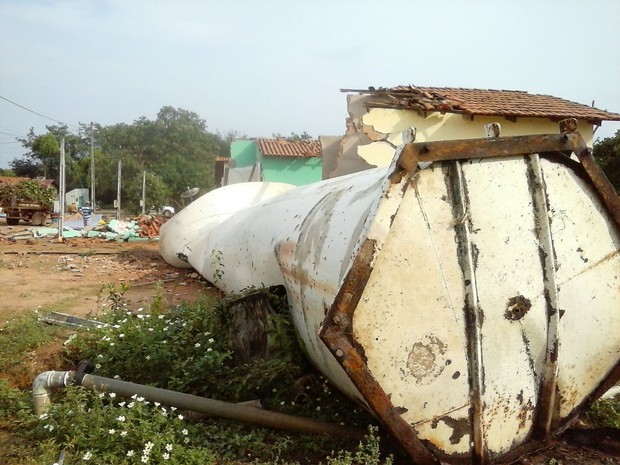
72	277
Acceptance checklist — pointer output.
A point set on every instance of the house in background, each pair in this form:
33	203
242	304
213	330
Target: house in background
272	160
378	118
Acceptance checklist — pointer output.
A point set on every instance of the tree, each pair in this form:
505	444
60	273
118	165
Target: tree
607	154
176	147
157	193
294	137
43	156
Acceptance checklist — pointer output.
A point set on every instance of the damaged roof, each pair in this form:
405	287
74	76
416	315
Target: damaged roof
482	102
285	148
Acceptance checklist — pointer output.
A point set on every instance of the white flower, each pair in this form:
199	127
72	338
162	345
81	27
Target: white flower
98	365
130	404
123	434
111	344
111	431
140	399
157	404
173	408
197	345
169	447
211	340
180	417
112	395
148	357
121	418
186	440
140	309
121	404
101	395
148	446
166	455
87	456
184	432
209	349
151	329
121	335
130	453
100	356
144	459
161	317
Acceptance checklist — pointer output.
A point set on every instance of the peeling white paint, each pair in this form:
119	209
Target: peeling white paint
447	247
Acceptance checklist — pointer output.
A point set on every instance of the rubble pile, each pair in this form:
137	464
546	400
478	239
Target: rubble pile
142	228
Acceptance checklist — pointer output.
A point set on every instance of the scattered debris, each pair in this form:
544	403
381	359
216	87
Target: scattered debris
70	320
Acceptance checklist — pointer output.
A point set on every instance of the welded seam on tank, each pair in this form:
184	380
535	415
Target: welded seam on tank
437	258
547	394
473	315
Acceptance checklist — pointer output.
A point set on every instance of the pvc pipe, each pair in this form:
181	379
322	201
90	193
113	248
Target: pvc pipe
42	385
52	379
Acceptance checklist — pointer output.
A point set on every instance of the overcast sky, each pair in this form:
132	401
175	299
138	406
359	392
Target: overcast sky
268	66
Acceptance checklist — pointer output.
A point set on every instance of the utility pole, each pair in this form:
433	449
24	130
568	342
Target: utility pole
143	192
92	168
61	181
118	192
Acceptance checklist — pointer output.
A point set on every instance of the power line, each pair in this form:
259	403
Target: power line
9	134
35	112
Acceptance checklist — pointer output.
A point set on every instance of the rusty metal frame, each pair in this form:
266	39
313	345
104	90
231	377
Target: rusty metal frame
337	328
514	146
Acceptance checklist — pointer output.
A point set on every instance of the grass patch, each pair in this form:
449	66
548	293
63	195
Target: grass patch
604	413
188	348
20	336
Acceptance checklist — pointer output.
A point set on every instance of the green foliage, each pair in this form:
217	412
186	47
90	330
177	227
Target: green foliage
605	413
607	154
294	137
368	452
30	190
42	158
176	148
157	192
191	347
20	336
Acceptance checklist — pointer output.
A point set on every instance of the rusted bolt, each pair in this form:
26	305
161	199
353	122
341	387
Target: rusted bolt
517	307
339	352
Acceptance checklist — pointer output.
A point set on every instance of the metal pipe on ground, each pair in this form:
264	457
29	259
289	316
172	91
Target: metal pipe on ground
217	408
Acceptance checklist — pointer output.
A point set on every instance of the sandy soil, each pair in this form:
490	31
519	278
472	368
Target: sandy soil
74	277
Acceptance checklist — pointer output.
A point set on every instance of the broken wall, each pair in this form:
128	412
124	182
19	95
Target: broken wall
373	134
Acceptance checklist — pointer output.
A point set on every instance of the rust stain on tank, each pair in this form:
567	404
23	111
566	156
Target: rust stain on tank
426	359
460	427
